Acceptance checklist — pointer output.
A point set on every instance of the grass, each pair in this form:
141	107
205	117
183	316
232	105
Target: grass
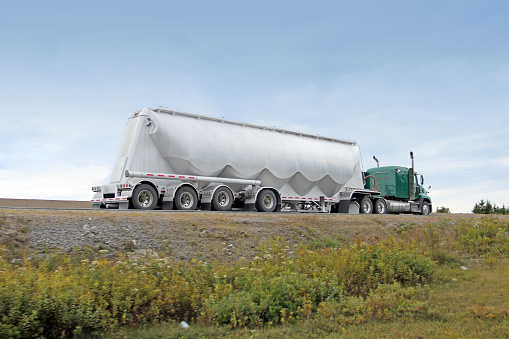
476	305
471	303
394	280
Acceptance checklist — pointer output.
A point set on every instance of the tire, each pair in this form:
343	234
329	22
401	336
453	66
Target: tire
222	200
144	197
424	208
380	206
186	199
366	206
266	201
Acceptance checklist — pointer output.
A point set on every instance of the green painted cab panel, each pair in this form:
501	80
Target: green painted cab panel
391	181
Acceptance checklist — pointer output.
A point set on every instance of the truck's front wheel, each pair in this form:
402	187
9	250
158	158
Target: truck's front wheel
424	208
144	197
366	206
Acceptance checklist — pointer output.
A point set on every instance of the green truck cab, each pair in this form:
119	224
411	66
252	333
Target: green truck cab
394	189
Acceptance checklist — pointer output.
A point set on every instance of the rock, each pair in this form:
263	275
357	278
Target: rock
184	324
464	268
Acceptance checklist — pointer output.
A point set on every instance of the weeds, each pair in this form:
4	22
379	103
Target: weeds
85	294
64	295
489	237
488	313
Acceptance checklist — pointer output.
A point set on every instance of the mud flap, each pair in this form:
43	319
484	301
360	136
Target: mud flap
167	204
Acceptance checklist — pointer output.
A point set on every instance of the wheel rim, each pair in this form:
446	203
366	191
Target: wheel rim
425	209
223	199
380	208
268	201
145	198
366	207
186	200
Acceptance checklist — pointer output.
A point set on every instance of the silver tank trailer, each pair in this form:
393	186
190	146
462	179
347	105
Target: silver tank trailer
287	161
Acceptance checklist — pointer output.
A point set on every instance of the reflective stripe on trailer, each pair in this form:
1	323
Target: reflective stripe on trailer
190	177
109	199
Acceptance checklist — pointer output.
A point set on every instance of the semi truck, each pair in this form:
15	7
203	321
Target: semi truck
175	160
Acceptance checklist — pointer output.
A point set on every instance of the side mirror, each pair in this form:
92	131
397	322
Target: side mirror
422	180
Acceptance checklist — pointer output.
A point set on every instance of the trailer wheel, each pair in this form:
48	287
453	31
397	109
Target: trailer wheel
222	199
144	197
186	199
380	206
366	206
266	201
424	208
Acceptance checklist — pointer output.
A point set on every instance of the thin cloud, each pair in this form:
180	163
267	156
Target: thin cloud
395	79
66	183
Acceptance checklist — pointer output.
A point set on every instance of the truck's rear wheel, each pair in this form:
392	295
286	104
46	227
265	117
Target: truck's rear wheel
266	201
424	208
186	199
222	199
366	206
380	206
144	197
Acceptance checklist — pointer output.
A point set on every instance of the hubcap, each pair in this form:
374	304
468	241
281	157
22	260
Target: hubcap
366	207
186	200
145	198
268	201
223	199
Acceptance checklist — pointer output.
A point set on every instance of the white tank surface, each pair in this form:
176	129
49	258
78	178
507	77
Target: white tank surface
291	162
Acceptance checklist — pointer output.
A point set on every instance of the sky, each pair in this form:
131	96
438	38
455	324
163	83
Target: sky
430	77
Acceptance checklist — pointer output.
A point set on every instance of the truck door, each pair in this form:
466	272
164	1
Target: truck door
417	187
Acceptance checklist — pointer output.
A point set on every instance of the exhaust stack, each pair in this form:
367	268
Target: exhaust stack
411	179
377	162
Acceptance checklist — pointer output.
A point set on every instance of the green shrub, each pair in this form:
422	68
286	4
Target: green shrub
451	241
65	296
285	287
443	210
386	303
486	207
87	298
489	236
